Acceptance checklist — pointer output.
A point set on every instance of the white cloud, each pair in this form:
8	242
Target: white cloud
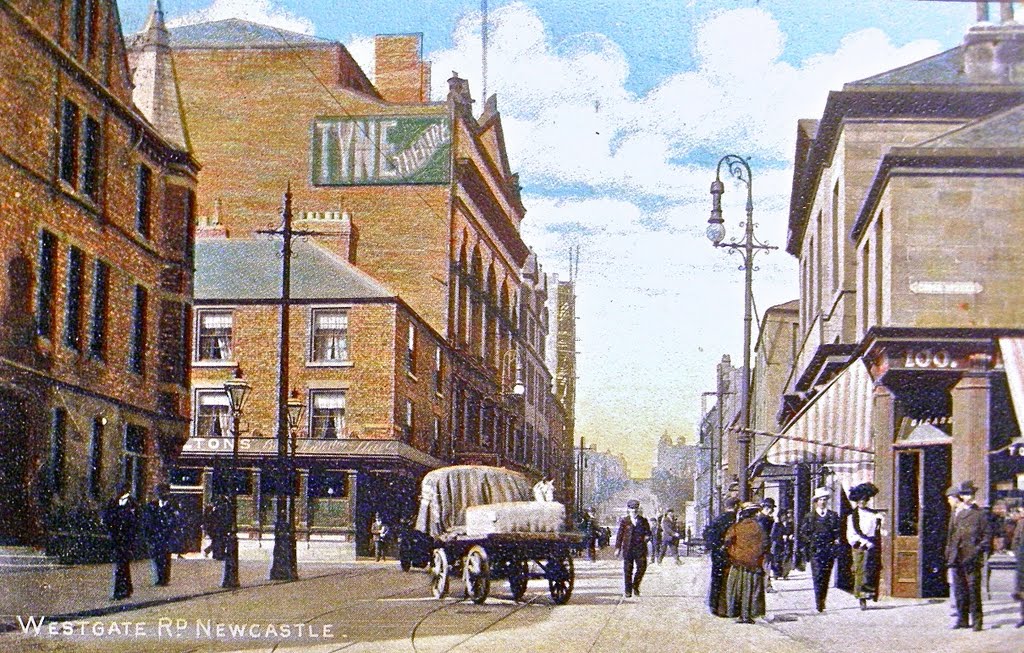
264	12
362	49
570	120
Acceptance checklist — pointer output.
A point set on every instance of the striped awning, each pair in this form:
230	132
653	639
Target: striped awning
1012	350
834	427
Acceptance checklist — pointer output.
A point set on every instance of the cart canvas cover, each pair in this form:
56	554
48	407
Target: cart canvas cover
446	493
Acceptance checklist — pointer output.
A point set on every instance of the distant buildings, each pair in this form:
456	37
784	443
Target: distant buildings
98	198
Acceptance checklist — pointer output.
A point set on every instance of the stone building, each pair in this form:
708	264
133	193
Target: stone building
96	240
560	357
904	216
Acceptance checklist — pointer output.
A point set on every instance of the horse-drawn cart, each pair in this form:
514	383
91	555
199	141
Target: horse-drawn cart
484	526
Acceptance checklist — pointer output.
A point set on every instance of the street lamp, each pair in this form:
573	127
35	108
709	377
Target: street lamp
748	247
581	464
237	390
295	410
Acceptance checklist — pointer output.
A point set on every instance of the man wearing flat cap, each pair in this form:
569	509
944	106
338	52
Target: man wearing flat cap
631	541
863	532
965	555
820	533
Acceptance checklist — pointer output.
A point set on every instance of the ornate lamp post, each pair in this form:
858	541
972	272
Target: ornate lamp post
747	248
237	390
295	410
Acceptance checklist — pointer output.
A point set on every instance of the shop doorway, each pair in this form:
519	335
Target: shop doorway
15	524
921	521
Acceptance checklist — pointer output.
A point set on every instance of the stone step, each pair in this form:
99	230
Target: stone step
26	557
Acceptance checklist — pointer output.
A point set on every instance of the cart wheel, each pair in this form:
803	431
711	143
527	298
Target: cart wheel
439	568
518	577
560	575
477	574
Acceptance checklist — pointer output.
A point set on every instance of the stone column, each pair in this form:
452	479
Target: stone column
884	421
971	401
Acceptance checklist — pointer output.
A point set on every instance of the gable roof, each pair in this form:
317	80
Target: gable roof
943	69
230	269
1002	131
238	33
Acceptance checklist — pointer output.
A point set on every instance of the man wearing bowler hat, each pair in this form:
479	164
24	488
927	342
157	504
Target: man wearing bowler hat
965	555
820	534
631	541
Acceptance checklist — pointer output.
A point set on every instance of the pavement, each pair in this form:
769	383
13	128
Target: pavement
372	606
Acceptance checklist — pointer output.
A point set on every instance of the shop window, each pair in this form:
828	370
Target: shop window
216	335
330	336
133	461
213	414
327	417
328	485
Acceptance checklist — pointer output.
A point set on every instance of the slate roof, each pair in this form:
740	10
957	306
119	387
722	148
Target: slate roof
237	33
1001	131
234	269
943	69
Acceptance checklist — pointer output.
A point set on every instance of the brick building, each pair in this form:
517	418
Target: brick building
905	214
95	234
419	197
371	374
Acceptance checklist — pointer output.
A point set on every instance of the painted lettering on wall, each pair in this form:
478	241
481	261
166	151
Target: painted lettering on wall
381	150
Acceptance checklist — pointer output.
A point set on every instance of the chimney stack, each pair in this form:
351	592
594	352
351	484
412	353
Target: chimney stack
400	74
994	53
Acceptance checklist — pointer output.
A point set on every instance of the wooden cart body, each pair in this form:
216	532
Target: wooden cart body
514	556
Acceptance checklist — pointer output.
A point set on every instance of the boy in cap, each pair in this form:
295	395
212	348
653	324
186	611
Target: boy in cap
965	555
767	522
631	541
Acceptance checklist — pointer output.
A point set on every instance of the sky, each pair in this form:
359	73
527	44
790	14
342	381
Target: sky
615	114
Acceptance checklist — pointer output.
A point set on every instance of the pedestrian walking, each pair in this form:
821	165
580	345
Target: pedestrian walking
767	521
863	532
656	540
121	518
820	534
746	543
1017	546
379	532
714	540
589	529
162	527
631	543
216	516
669	536
969	539
782	545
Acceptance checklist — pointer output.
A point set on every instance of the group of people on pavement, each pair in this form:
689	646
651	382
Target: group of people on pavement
748	548
160	520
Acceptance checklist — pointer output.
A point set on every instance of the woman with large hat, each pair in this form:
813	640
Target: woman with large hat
863	531
746	544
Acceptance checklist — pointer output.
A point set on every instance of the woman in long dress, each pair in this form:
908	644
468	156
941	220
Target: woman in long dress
746	544
863	531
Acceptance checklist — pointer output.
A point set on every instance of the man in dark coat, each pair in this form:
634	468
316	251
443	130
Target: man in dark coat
714	541
162	523
1017	546
966	549
820	534
631	541
121	517
766	521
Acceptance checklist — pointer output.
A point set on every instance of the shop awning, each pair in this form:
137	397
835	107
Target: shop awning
1012	350
342	449
834	427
